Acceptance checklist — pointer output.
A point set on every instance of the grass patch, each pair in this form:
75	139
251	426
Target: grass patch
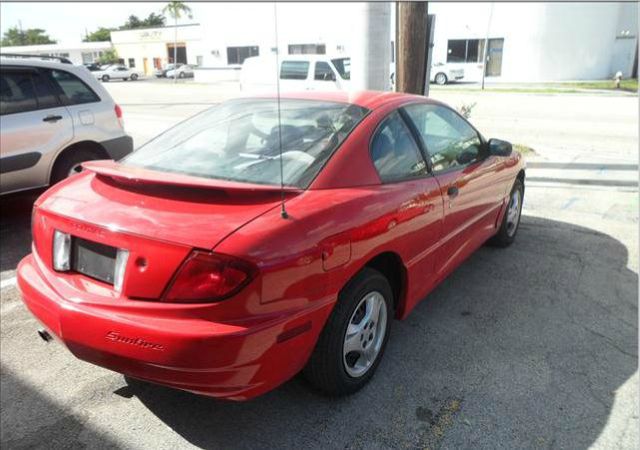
578	87
630	85
524	150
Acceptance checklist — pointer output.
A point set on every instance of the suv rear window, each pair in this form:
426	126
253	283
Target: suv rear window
72	90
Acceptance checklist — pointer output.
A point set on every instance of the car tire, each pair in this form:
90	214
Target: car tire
441	78
511	220
134	77
334	370
105	78
181	75
69	162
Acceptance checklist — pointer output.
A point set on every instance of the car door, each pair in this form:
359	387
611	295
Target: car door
324	77
294	75
35	126
467	178
414	198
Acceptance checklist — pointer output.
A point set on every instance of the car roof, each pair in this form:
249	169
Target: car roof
367	99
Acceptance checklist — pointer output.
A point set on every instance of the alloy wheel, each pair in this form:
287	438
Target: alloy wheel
365	334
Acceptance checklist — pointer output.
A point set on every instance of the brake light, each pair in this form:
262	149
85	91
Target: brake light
118	112
209	277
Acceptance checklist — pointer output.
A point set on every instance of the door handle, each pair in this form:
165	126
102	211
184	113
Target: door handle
52	118
453	191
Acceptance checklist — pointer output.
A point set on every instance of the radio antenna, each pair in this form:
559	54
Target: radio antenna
283	211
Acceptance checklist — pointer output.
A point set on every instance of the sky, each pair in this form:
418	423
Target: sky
66	22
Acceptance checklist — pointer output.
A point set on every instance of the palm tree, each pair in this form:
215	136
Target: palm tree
175	10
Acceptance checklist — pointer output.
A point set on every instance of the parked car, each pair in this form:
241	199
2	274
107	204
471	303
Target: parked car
440	74
241	247
54	117
117	72
183	71
297	73
93	67
162	73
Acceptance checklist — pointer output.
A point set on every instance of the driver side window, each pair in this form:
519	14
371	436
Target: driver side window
451	142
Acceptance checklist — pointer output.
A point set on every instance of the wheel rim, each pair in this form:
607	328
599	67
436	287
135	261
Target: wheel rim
440	78
365	334
513	212
76	168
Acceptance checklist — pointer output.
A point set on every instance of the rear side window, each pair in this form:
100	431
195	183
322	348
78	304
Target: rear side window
17	93
323	72
294	70
72	90
395	153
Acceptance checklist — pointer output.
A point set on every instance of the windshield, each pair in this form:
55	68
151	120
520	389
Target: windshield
239	141
343	66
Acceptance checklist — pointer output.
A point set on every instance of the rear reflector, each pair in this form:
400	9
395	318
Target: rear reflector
61	251
118	112
209	277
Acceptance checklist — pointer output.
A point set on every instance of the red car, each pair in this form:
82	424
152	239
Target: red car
263	237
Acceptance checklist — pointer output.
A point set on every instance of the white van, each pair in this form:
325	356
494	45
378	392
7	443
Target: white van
297	73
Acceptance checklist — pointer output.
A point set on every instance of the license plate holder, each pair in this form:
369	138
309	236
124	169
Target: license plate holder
93	259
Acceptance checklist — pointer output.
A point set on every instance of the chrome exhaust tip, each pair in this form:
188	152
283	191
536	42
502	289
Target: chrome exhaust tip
44	334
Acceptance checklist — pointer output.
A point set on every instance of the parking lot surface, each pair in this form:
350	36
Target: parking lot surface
534	346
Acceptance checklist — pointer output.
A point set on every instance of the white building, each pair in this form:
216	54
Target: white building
79	53
538	41
148	49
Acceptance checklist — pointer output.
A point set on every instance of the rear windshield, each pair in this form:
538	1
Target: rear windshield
240	141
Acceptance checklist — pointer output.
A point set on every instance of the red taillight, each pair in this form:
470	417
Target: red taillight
118	112
209	277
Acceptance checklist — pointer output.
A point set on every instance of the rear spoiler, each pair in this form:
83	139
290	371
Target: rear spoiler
140	176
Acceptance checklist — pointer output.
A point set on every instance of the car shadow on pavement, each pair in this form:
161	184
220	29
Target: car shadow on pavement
519	348
55	427
15	228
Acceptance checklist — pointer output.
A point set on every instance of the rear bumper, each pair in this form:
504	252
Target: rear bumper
119	147
188	353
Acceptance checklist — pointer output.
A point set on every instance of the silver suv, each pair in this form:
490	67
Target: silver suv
53	117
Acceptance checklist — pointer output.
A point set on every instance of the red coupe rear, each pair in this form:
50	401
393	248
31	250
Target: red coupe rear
262	237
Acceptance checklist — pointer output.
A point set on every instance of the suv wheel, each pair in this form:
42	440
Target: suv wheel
105	78
70	164
353	340
134	76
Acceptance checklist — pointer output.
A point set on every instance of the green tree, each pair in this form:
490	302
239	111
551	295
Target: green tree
102	34
176	10
154	20
109	57
32	36
132	23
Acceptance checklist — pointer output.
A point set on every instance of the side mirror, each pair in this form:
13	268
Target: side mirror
498	147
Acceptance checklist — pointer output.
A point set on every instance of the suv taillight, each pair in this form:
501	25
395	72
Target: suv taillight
118	112
209	277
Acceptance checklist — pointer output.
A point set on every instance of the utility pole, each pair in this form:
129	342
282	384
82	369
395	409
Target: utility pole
411	45
486	47
371	53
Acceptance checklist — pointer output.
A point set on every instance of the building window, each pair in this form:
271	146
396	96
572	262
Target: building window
307	49
237	55
465	50
132	62
294	70
121	61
